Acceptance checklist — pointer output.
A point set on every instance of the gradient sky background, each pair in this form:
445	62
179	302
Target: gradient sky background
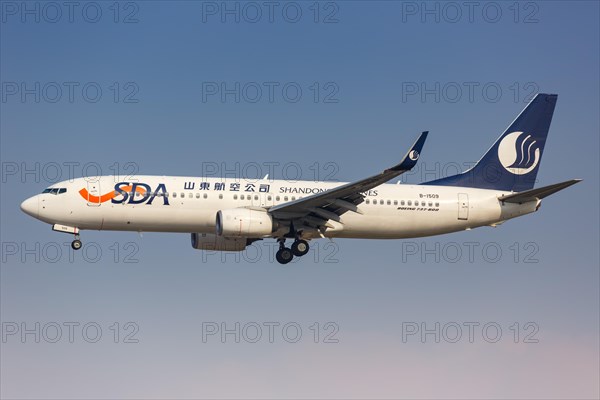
367	288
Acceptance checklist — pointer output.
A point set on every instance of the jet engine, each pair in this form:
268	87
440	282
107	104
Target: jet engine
244	222
208	241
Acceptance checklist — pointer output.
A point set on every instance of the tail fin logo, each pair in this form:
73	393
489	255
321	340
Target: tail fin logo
518	153
413	155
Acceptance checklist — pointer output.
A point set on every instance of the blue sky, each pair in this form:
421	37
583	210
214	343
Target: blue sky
357	69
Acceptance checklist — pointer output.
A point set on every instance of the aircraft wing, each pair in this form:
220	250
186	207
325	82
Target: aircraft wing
317	209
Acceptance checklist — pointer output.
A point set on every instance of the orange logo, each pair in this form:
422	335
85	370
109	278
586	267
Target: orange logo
110	195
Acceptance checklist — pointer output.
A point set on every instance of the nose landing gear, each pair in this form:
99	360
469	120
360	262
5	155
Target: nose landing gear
76	244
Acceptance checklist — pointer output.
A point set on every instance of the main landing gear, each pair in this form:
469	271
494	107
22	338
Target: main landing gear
300	247
284	255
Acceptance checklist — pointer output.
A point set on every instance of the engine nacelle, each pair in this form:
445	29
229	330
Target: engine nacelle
208	241
244	222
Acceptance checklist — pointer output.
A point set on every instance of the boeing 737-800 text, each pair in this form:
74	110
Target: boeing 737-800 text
228	215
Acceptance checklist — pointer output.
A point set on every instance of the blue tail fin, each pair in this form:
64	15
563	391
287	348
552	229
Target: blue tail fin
512	163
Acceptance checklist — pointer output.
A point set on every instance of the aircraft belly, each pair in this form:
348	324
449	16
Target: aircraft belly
155	219
403	224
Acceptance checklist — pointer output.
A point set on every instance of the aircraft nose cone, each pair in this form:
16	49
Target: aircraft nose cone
30	206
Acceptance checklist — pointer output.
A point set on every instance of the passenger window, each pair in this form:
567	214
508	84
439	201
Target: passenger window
285	198
430	204
389	203
197	195
402	203
235	196
437	204
269	198
174	194
293	198
205	196
410	203
182	195
367	201
255	197
242	197
277	198
395	202
422	204
381	202
220	196
191	196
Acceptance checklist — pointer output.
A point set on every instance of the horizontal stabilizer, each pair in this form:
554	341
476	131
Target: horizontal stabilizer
537	194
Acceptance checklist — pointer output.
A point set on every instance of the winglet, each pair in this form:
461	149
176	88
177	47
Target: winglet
411	157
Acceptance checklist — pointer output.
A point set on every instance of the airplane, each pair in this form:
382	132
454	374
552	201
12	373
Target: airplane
231	214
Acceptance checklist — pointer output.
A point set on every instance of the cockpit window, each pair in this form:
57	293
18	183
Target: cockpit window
55	190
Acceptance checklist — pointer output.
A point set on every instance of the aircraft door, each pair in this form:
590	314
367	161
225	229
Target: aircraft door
93	193
463	206
261	199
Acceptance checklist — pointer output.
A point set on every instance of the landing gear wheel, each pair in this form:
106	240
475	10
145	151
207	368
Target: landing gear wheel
76	244
284	255
300	248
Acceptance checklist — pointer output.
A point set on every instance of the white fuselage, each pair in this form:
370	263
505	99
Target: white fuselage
189	204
